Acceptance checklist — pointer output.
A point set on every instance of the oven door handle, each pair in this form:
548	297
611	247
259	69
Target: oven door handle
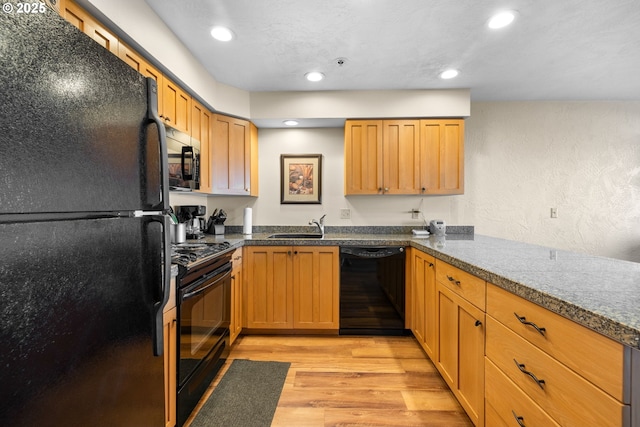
198	290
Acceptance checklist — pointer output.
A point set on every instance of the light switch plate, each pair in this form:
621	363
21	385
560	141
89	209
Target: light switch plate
345	213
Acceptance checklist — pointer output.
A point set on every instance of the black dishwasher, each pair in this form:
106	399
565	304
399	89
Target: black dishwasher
372	290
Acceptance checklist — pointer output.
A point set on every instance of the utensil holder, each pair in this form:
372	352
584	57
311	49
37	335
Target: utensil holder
178	233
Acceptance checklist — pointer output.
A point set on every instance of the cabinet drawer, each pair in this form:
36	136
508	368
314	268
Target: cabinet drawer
506	402
464	284
581	349
567	397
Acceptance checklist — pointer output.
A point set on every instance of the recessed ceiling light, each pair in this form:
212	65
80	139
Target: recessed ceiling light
501	19
290	122
314	76
222	34
448	74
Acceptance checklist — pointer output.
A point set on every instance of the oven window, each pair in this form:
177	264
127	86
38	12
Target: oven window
204	321
201	317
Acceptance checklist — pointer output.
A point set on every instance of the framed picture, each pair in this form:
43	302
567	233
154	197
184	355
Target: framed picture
300	178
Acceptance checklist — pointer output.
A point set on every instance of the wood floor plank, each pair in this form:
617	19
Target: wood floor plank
431	400
298	417
385	418
337	398
368	380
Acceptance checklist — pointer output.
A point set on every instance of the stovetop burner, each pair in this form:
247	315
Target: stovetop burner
186	254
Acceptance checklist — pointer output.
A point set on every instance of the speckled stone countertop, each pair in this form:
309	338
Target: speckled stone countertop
602	294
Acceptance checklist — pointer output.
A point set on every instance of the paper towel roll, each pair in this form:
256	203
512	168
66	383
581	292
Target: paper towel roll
247	227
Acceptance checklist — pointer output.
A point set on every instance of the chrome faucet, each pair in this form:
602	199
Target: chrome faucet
320	223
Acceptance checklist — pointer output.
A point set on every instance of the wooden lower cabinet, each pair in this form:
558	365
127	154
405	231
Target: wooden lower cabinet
574	375
460	355
316	299
235	326
292	287
170	337
516	363
567	397
506	405
423	301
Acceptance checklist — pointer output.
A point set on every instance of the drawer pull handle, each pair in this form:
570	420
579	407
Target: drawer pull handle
521	366
454	281
524	321
519	420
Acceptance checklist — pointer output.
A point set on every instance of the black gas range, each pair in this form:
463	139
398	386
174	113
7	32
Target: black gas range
204	314
190	255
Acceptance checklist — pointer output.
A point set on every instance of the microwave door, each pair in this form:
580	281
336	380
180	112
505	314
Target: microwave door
187	163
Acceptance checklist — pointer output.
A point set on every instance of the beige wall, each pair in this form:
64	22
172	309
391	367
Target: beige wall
521	159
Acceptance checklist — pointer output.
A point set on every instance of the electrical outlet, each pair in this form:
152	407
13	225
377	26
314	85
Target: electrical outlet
415	214
554	212
345	213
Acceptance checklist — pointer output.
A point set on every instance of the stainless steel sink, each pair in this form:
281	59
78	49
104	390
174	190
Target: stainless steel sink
295	236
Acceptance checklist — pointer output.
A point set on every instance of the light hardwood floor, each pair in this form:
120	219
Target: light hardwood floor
353	381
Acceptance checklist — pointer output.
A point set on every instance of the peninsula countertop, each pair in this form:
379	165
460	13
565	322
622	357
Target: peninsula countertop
600	293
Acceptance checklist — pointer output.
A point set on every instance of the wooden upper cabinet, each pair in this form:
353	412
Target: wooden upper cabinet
88	25
138	63
404	157
442	156
201	131
400	156
363	157
176	111
234	156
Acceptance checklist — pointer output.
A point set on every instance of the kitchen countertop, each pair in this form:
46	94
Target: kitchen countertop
602	294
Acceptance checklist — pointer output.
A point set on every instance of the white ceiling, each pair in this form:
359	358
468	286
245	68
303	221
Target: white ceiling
555	50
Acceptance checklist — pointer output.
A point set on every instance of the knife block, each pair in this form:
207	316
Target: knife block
217	229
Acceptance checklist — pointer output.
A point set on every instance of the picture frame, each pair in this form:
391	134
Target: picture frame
301	179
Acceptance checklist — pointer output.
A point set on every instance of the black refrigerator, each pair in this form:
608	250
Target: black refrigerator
83	231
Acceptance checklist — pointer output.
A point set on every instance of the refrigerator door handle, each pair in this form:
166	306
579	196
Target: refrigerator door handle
153	117
158	307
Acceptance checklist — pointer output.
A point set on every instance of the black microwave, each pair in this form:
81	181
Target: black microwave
184	160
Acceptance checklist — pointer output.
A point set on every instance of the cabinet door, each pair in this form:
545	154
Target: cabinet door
424	313
176	110
88	25
170	336
315	287
400	156
269	292
363	157
460	357
201	131
442	156
235	327
231	156
253	162
138	63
